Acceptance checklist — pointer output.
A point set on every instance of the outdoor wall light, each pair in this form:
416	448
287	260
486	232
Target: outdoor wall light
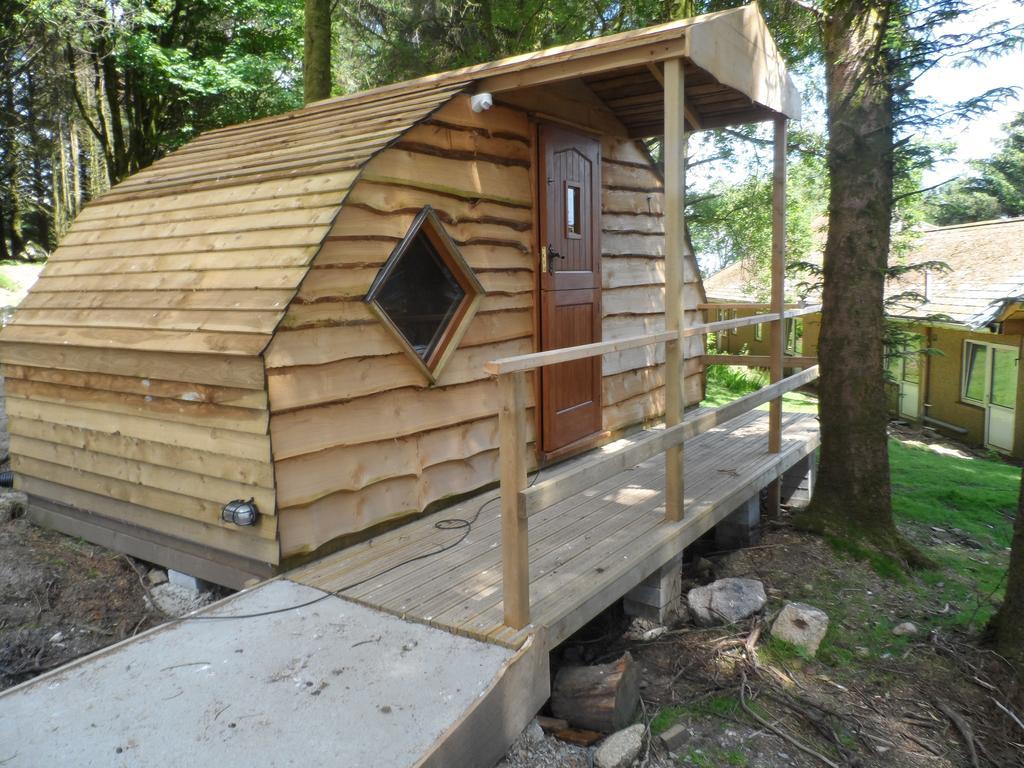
481	102
240	512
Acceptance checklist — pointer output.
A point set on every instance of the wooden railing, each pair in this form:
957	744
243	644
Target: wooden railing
518	501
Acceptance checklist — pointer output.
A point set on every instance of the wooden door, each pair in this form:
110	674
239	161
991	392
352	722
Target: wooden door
570	283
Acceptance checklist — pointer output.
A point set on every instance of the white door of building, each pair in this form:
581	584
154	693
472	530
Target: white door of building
1000	410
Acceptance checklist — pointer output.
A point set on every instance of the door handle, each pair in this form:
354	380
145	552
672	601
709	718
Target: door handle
551	255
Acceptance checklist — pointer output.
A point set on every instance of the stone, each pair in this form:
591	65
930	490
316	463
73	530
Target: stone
156	577
12	505
801	625
532	735
673	738
183	580
726	601
172	600
906	629
621	748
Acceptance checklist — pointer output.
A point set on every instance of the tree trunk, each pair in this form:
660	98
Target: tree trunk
316	58
852	498
602	698
1008	624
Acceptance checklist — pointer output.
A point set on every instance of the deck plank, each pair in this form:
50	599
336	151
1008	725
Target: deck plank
585	551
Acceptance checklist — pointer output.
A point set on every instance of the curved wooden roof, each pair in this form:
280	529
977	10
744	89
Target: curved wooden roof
203	251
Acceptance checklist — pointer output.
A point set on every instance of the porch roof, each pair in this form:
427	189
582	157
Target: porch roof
734	73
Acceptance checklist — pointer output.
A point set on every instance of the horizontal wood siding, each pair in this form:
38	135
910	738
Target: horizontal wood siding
633	299
358	436
174	449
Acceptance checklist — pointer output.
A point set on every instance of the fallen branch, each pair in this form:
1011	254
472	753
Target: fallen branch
778	731
1008	711
966	732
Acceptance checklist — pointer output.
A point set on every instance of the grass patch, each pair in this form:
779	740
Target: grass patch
726	383
8	283
973	501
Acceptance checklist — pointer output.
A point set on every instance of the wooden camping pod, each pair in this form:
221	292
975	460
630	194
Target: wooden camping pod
202	333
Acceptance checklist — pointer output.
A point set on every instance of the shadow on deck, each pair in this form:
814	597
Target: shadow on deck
585	552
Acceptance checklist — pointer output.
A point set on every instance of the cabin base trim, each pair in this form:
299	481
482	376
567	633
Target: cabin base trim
188	557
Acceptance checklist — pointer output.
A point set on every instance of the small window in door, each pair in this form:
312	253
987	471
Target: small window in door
573	223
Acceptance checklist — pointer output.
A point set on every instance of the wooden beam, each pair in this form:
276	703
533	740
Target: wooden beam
571	66
743	305
759	361
675	200
688	109
553	489
515	556
778	329
566	354
740	322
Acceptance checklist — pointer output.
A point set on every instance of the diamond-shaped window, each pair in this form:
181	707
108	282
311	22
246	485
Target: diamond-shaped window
426	293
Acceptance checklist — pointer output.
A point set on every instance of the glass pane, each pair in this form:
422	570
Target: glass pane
572	209
758	332
974	376
1004	377
798	337
421	296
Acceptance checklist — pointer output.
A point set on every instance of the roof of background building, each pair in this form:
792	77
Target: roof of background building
983	275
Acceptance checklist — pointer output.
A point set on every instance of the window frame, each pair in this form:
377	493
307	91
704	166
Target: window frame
429	224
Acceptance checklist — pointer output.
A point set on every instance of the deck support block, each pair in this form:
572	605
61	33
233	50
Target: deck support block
659	597
742	528
798	482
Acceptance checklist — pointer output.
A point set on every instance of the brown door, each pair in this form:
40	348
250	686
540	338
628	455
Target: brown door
570	286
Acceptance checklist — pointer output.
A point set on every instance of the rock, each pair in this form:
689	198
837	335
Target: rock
57	637
12	505
532	735
726	601
653	634
673	738
906	629
802	625
621	748
173	600
156	577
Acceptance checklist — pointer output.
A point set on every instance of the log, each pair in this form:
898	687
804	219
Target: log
602	698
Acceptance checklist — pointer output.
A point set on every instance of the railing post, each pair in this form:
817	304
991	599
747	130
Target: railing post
515	542
778	335
675	197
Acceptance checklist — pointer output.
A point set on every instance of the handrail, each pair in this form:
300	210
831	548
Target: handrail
554	489
567	354
740	322
759	361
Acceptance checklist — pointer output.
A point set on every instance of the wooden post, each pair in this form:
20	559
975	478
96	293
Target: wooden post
675	198
778	327
515	541
778	335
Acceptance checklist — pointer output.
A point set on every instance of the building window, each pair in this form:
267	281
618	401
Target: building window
975	364
989	374
426	294
759	332
794	336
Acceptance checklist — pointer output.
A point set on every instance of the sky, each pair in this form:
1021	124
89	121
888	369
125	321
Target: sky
979	137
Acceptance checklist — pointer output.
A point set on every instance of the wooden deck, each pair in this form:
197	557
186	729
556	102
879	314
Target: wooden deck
585	552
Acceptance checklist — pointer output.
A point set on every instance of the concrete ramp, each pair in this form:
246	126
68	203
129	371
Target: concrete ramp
334	683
